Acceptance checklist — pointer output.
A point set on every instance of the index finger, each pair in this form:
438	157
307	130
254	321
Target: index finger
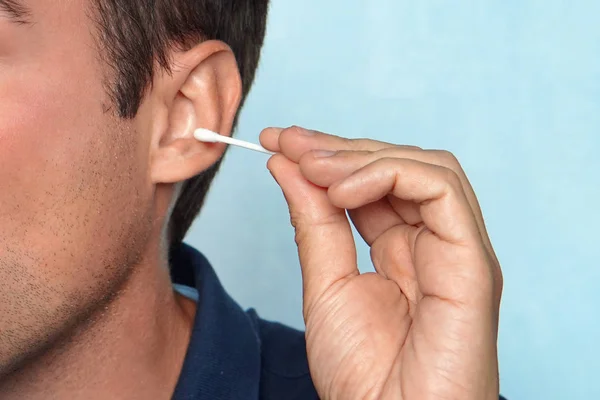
295	141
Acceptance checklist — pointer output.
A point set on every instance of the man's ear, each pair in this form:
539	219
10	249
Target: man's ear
203	90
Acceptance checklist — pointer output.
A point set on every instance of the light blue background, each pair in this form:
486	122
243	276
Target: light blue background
511	87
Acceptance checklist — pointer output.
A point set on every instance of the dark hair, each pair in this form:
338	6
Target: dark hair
137	35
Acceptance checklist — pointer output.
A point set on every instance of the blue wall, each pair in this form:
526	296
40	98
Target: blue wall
511	87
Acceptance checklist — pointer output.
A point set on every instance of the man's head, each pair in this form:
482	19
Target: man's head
98	102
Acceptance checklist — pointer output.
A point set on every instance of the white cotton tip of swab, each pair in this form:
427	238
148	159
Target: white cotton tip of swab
204	135
207	136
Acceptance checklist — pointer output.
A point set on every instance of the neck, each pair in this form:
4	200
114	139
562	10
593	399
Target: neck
131	349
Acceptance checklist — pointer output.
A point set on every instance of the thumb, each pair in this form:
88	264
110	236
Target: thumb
325	243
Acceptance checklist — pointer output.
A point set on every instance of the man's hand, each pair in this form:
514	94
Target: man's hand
425	325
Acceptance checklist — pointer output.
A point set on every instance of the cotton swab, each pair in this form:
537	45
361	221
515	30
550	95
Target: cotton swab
204	135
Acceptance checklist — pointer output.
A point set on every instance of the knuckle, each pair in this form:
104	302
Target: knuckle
499	281
451	177
498	278
387	161
385	166
306	225
297	222
447	159
488	277
351	144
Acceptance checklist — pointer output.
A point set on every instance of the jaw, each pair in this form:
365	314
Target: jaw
139	326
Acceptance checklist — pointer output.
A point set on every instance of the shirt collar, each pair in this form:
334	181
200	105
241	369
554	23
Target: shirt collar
223	359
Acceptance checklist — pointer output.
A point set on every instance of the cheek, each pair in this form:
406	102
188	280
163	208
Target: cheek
75	199
73	185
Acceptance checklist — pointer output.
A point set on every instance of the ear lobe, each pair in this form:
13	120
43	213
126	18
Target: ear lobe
203	91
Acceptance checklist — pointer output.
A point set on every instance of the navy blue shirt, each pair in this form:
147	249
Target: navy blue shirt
233	354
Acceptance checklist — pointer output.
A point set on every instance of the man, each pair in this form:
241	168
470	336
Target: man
101	179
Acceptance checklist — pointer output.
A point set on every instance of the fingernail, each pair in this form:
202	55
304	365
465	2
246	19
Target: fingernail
302	131
323	153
